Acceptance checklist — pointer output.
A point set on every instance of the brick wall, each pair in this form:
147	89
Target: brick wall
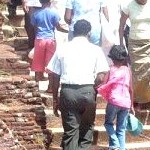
22	113
23	122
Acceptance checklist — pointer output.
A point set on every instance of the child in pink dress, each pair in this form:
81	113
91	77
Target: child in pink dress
117	91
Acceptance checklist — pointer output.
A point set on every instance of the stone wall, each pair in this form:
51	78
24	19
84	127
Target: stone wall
22	111
11	62
23	122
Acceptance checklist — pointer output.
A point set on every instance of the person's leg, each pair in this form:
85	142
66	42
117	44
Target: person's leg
50	50
121	127
75	104
30	30
111	113
50	79
126	34
12	6
70	119
39	76
38	63
87	117
18	2
70	35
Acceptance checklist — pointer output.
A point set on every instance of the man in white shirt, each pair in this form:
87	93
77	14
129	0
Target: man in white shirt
89	10
76	67
29	7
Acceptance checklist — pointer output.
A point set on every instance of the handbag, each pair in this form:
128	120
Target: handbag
31	53
134	126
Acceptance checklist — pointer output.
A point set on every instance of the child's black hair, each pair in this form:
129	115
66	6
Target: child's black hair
118	53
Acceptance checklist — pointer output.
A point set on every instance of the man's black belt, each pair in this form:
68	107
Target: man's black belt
75	85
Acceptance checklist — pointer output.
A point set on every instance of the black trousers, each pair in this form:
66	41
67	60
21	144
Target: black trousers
15	3
126	34
78	107
29	27
13	6
30	30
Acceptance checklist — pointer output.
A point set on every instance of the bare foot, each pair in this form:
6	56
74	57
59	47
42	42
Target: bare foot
49	90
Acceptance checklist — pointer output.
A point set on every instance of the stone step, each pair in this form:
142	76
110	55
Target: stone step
100	136
19	12
143	115
101	104
21	43
18	43
99	120
54	121
23	55
129	146
11	63
100	117
21	32
17	20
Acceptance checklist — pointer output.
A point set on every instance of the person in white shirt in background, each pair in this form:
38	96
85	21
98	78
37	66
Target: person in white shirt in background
137	11
110	30
114	17
89	10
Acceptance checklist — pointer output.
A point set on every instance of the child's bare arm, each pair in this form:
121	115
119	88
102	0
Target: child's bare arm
101	78
62	28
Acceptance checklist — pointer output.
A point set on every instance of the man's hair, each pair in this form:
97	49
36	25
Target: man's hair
118	53
81	28
44	1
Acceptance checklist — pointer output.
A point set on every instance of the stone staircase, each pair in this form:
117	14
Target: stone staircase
16	21
100	141
17	37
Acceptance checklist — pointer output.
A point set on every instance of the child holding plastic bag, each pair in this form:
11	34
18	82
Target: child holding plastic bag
117	91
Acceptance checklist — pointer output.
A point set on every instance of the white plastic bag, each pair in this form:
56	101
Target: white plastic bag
108	37
31	53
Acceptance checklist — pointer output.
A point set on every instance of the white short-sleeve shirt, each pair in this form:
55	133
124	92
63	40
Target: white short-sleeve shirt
85	9
139	16
78	62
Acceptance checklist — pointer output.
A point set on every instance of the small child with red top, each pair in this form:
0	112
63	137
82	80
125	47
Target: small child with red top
117	91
